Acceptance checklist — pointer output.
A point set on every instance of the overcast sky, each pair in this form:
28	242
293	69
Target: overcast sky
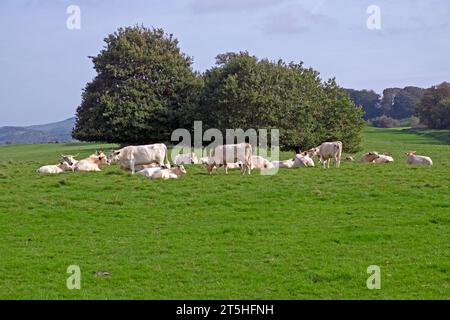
45	66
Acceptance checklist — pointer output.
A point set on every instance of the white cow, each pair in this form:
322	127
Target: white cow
55	169
166	174
69	159
205	160
148	172
93	163
131	156
303	160
384	158
283	164
412	158
327	151
370	157
188	158
232	153
259	162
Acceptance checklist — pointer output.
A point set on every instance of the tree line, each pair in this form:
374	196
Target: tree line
145	88
428	107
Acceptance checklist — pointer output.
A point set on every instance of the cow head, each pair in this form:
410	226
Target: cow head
194	159
100	153
114	156
69	159
210	167
65	166
181	169
313	152
102	160
372	156
410	153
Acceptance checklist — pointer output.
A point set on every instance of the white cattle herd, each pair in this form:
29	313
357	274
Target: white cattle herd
151	160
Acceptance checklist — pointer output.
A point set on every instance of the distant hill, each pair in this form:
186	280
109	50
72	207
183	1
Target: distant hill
45	133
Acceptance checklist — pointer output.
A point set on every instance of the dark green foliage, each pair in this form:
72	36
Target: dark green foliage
369	100
244	92
401	103
384	122
434	109
143	89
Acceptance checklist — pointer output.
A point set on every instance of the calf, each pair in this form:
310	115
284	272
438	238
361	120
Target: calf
259	162
55	169
412	158
384	158
283	164
69	159
189	158
166	174
92	163
370	157
350	159
303	160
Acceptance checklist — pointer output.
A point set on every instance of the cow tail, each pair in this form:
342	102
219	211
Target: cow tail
249	158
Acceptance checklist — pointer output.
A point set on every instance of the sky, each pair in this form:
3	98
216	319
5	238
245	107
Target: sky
44	65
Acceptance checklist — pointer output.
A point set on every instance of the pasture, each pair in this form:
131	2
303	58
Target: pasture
306	233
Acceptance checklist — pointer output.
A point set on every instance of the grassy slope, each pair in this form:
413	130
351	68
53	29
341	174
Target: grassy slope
304	233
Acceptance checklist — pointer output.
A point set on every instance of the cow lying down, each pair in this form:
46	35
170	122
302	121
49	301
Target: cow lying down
55	169
163	172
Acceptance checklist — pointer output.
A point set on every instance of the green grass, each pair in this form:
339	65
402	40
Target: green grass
302	234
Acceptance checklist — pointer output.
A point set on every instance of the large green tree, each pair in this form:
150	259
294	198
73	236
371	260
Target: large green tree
369	100
244	92
434	109
401	103
144	89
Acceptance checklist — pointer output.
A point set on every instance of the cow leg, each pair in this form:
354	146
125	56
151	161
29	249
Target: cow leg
132	166
337	161
226	168
329	162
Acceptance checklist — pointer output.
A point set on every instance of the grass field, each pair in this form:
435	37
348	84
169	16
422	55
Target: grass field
302	234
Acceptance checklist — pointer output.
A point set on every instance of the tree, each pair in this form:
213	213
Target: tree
434	109
369	100
384	122
144	89
244	92
401	103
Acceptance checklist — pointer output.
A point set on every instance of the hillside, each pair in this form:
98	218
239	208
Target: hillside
52	132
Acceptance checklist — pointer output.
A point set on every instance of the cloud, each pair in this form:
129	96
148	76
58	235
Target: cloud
295	19
205	6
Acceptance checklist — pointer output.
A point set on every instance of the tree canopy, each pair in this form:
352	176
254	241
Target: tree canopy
434	108
401	103
244	92
144	88
369	100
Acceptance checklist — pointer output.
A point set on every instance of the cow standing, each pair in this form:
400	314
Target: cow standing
327	151
131	156
232	153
